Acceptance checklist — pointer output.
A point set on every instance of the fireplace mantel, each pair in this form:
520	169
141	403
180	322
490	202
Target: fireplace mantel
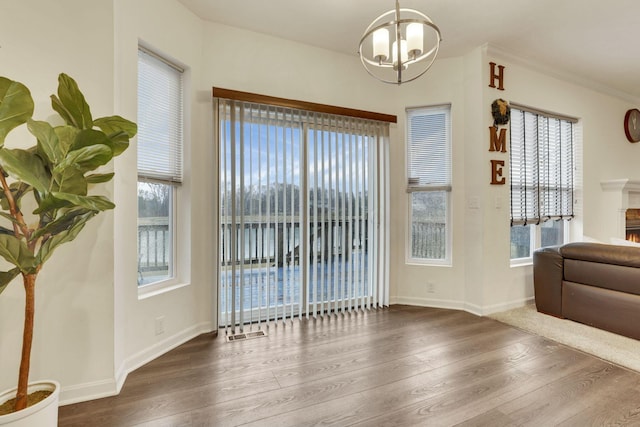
627	189
621	185
623	194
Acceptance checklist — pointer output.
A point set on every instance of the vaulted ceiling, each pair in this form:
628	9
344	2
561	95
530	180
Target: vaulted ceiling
591	41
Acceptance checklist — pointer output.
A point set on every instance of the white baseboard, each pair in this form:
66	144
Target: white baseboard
158	349
87	391
429	302
497	308
461	305
111	387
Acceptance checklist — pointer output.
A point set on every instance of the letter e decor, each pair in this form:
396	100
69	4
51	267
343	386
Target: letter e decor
496	172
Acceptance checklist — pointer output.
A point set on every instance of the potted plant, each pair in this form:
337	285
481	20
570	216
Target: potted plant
52	180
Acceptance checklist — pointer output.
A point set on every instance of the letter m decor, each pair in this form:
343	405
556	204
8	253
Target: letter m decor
497	142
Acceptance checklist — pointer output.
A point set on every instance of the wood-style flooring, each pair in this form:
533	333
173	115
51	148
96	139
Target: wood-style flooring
402	366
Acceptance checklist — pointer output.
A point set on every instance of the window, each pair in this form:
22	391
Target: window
429	183
160	125
542	180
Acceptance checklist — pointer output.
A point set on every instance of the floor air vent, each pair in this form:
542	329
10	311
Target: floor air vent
246	336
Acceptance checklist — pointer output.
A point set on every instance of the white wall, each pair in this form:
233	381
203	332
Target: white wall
481	279
91	321
171	31
444	83
74	299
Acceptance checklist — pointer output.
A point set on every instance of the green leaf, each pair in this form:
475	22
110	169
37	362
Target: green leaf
119	143
71	180
65	222
94	137
94	203
16	106
6	277
115	124
4	203
70	103
47	248
50	203
85	158
118	130
89	137
17	253
18	189
25	166
66	137
98	178
47	140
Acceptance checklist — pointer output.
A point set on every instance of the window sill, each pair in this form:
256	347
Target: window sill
521	262
158	288
428	262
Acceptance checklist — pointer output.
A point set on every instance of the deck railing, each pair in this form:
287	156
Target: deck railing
153	245
429	240
279	243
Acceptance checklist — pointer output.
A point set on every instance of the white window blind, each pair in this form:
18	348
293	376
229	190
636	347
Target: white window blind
159	118
541	167
429	151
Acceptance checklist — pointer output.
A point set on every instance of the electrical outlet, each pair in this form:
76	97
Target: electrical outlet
160	325
431	287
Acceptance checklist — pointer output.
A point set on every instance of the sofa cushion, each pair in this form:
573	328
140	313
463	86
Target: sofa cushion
602	253
608	276
602	308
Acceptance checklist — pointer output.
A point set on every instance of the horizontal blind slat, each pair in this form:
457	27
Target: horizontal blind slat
429	156
160	119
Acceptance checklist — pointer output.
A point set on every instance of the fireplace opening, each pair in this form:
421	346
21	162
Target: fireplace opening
632	226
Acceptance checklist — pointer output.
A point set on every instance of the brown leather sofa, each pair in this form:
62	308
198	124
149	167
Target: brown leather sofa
591	283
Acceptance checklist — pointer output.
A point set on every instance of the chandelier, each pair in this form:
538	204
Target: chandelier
419	41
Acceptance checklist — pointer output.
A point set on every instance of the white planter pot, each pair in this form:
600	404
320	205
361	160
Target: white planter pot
42	414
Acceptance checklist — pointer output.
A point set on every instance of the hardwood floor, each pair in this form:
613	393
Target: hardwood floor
401	366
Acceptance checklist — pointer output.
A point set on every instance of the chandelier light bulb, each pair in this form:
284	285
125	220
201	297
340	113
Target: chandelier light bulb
381	44
415	36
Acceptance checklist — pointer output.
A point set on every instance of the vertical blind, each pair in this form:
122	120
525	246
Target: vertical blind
160	118
302	203
429	154
541	167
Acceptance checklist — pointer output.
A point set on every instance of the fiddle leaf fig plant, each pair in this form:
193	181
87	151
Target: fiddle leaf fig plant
52	178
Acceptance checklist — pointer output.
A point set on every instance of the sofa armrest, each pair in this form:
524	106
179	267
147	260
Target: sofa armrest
547	280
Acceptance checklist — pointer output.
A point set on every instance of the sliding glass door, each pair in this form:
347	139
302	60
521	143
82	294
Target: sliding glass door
301	196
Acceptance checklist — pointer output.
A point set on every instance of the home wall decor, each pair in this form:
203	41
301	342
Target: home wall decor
500	111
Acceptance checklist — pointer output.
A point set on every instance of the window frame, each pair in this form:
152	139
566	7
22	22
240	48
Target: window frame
535	242
175	277
445	187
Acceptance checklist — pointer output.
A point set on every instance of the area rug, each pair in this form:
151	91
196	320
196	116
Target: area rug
605	345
